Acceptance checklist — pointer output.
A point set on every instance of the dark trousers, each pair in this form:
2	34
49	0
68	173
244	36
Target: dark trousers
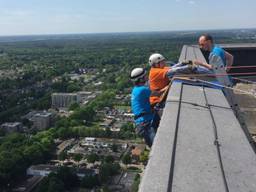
146	131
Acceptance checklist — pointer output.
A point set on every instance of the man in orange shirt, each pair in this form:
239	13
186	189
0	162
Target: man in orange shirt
160	75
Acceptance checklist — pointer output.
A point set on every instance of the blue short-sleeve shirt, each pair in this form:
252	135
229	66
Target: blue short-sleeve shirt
140	103
219	52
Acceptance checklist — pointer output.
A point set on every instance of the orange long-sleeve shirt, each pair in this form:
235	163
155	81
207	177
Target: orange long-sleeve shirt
157	81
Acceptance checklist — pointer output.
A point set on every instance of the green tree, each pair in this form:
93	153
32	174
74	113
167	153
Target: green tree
91	158
34	153
2	132
109	159
136	182
78	157
108	169
51	184
63	122
126	159
144	156
64	132
55	185
86	113
90	181
127	131
73	106
114	147
63	155
68	177
73	87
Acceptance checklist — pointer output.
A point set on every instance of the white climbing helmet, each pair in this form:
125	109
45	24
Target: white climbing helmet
137	74
155	58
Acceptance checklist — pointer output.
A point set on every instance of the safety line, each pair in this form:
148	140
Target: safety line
169	189
195	80
241	67
214	74
226	87
249	77
216	143
244	80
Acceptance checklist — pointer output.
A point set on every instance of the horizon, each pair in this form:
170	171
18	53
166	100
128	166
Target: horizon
129	32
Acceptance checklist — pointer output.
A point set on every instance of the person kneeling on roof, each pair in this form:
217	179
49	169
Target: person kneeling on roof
160	76
145	122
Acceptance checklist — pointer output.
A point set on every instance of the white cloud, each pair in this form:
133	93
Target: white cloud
16	13
192	2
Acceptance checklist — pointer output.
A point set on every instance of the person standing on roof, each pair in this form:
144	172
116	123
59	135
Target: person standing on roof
206	43
160	75
145	122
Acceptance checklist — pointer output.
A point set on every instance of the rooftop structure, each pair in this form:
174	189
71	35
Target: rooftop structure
200	144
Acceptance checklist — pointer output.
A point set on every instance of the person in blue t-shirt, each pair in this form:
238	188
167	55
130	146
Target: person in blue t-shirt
206	44
146	121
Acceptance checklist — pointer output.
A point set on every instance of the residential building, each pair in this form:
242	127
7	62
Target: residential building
11	127
45	170
64	100
41	120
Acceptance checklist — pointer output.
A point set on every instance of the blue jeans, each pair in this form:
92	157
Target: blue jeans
147	131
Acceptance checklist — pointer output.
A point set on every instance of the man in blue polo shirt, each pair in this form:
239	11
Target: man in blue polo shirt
146	121
206	43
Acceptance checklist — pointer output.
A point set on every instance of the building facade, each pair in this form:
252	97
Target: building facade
64	100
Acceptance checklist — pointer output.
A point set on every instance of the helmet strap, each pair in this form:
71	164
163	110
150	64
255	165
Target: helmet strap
141	81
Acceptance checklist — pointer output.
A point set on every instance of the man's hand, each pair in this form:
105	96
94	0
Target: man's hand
206	65
187	62
191	65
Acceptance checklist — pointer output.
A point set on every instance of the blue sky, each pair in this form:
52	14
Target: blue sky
23	17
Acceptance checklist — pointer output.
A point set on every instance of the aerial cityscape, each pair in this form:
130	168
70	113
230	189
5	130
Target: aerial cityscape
65	116
127	96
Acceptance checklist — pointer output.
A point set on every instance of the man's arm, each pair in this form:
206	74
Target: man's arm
206	65
178	69
229	60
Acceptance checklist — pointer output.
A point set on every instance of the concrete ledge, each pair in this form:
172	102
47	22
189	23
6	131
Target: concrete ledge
200	145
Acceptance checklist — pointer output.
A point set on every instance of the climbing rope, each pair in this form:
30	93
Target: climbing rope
223	86
216	143
214	74
241	67
244	80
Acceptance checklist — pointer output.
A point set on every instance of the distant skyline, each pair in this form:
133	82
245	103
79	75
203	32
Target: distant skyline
29	17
